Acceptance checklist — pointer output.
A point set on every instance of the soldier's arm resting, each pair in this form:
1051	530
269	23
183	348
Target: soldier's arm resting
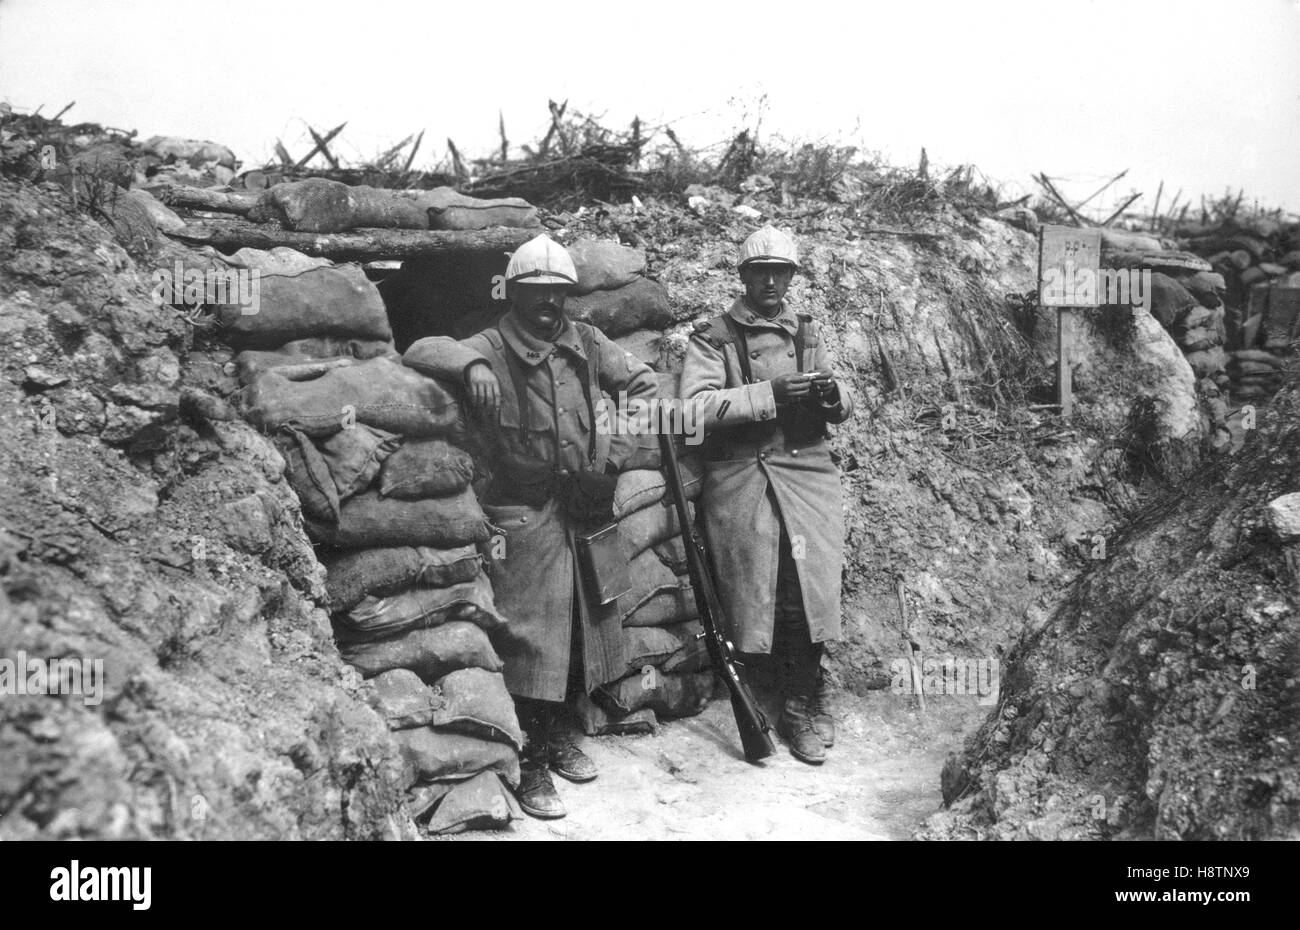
444	357
704	379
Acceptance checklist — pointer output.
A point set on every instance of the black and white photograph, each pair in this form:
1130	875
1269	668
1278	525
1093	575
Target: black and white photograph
583	421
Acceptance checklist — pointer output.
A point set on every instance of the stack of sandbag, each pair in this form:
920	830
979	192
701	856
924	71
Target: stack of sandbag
324	206
441	691
1258	264
668	673
1186	297
612	291
1256	373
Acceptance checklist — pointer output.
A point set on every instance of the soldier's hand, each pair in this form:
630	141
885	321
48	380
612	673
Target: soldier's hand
483	389
791	388
824	388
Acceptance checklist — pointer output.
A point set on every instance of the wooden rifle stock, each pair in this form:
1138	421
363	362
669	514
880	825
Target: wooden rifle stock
751	722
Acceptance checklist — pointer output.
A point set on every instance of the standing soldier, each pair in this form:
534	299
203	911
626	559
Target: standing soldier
535	380
771	497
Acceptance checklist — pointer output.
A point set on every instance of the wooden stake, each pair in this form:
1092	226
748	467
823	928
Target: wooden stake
457	165
1122	207
64	110
505	146
283	154
1064	349
415	148
323	148
329	137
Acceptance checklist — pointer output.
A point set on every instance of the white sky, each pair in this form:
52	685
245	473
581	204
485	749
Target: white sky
1204	95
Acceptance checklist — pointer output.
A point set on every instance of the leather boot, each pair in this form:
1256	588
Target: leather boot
795	726
819	708
537	795
568	761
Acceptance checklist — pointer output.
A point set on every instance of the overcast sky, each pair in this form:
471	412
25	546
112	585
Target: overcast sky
1204	95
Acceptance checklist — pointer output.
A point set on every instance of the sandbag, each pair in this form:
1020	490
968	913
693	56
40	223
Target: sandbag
194	152
417	608
1198	338
277	260
327	346
430	653
643	304
604	266
370	520
426	468
406	701
1207	361
353	575
597	721
354	456
642	528
1169	299
673	648
668	695
479	803
311	205
447	209
253	363
476	702
438	755
664	606
335	300
641	487
656	596
672	552
307	474
379	392
1206	286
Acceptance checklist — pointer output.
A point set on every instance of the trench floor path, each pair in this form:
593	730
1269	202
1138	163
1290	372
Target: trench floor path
689	781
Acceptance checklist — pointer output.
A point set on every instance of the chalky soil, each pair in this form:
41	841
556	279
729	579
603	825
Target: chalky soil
689	780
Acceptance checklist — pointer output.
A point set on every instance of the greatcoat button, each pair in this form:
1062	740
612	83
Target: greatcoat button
754	354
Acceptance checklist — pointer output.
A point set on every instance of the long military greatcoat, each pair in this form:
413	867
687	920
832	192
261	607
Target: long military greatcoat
741	524
537	580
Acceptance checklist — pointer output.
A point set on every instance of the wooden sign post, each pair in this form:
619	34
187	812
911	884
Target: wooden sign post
1068	261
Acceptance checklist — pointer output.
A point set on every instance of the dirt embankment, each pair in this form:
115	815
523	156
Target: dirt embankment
145	526
1161	698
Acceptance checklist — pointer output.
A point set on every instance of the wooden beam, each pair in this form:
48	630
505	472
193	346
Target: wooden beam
199	198
1046	182
357	245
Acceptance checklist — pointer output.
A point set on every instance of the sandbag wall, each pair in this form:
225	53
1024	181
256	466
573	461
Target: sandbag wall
375	452
1259	262
668	672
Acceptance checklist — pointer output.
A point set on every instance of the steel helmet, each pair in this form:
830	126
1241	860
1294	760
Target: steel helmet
769	244
541	260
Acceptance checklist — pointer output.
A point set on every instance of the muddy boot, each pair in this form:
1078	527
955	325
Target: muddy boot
819	708
536	794
568	761
795	726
